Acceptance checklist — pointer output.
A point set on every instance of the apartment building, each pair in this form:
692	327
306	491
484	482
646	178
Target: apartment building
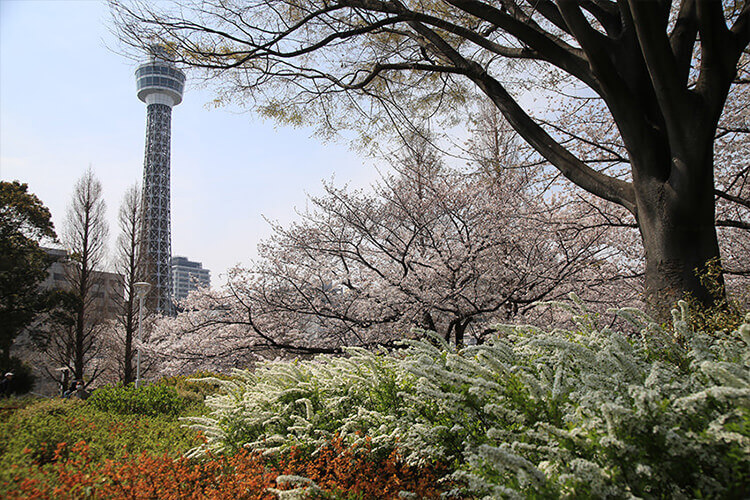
187	275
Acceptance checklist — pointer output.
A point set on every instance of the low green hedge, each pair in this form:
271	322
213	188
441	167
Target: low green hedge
146	400
33	434
197	386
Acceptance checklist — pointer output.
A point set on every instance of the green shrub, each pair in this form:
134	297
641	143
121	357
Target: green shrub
725	313
8	406
145	400
33	434
195	387
589	413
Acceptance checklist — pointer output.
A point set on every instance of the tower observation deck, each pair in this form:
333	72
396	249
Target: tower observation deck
160	85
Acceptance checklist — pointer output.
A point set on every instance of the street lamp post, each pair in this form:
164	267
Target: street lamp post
141	290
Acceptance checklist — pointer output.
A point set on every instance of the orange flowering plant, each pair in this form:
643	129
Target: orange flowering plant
336	471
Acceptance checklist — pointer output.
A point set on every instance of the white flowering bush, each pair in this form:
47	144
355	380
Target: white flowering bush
306	403
588	412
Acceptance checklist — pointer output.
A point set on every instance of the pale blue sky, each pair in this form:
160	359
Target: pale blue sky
67	102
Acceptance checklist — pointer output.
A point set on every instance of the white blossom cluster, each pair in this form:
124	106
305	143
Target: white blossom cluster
306	403
590	412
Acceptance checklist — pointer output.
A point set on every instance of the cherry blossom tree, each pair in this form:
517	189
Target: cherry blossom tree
495	149
733	186
432	247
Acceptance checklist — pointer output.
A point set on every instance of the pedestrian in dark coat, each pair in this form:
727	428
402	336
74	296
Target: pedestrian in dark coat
6	385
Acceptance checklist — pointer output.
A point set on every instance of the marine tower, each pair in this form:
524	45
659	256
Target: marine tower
160	85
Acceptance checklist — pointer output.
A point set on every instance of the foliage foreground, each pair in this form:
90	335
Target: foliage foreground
336	471
664	412
586	413
129	443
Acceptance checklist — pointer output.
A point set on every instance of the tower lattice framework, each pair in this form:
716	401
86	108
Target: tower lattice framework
157	231
160	86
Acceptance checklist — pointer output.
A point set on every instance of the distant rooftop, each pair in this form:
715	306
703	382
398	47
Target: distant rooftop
178	260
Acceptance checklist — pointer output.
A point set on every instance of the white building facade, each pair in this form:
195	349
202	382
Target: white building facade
188	275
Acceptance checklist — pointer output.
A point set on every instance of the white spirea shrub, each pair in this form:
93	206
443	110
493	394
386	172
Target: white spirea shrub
306	403
584	413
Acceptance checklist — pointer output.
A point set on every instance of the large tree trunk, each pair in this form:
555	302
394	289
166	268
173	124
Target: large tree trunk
676	221
679	240
460	331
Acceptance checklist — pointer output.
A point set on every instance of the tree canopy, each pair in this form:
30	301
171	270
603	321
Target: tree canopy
661	71
438	248
24	223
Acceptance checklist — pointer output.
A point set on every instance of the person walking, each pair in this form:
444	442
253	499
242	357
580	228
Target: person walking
71	390
6	385
80	392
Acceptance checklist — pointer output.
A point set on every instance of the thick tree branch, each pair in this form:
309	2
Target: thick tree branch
650	27
601	185
732	223
719	56
551	48
682	39
736	199
606	13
